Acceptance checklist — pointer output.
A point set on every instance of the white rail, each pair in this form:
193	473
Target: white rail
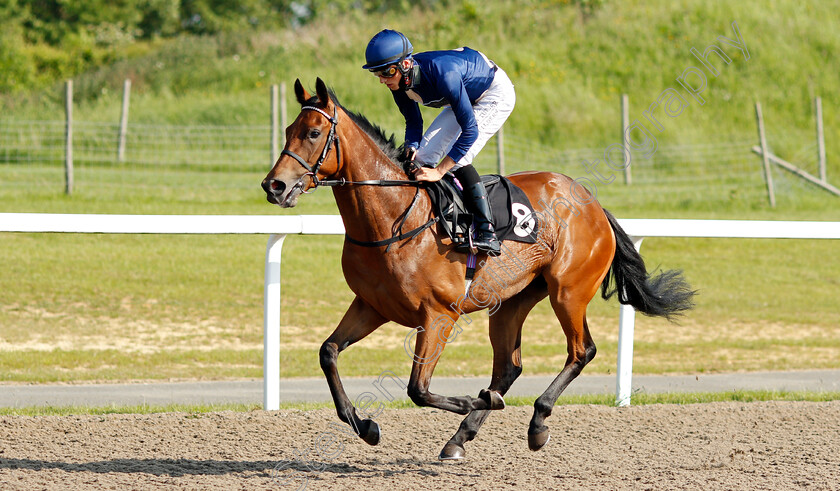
639	229
280	226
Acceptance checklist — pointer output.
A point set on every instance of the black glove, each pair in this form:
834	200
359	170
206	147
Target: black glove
407	158
408	154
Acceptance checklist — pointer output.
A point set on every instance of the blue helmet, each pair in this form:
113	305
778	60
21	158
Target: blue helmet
386	48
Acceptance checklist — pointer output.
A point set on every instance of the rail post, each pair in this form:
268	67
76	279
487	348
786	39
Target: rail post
284	120
500	150
625	123
626	330
275	152
123	121
68	137
271	324
768	176
820	138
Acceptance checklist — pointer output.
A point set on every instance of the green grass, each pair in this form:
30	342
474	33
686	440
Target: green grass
120	307
642	399
114	307
601	400
107	307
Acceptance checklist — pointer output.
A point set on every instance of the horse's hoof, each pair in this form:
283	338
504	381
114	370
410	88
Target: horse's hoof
451	451
493	399
537	441
371	434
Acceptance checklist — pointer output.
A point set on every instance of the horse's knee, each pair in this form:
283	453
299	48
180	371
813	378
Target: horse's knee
328	355
418	396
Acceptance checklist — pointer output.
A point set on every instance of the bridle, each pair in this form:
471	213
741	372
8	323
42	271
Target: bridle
312	172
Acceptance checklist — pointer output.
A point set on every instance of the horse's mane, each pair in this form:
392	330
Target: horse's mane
386	143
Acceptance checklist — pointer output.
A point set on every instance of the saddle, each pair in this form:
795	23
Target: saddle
510	206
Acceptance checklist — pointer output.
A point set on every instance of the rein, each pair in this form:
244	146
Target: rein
312	172
372	182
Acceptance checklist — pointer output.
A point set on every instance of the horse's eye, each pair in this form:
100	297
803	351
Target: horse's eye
314	133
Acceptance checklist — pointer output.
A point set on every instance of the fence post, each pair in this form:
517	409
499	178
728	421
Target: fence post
274	148
68	137
500	149
123	121
271	324
283	122
768	177
625	123
626	331
820	139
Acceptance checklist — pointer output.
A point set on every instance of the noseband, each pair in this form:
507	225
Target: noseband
312	171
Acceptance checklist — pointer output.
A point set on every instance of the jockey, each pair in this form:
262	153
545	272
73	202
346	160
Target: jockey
476	96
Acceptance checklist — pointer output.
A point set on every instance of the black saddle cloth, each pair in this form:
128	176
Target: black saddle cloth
512	210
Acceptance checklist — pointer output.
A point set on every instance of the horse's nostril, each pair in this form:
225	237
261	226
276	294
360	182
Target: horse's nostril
273	186
277	187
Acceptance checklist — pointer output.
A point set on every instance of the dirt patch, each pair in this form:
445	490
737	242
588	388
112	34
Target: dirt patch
71	331
767	445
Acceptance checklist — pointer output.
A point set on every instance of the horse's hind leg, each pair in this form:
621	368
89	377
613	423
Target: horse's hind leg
359	321
571	311
505	336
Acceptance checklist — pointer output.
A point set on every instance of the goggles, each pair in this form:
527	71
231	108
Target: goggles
386	72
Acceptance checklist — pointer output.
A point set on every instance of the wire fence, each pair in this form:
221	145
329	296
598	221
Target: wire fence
166	158
714	171
156	146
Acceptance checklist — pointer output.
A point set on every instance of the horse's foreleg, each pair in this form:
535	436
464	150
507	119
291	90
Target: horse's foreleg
506	339
359	321
430	342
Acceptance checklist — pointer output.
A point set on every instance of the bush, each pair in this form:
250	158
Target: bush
17	70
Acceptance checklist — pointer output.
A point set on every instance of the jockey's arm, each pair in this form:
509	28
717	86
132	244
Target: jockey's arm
459	100
435	174
413	118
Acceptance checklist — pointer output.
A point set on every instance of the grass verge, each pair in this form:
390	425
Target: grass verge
591	399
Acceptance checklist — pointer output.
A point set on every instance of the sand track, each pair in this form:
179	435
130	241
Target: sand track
768	445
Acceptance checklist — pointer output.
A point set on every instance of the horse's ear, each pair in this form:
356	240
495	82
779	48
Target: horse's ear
321	91
300	93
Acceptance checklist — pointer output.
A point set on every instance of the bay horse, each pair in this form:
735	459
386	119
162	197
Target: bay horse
417	280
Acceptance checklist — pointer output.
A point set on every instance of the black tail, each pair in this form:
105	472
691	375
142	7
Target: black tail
667	294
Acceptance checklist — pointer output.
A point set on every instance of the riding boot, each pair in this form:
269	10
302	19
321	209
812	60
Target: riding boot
478	204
